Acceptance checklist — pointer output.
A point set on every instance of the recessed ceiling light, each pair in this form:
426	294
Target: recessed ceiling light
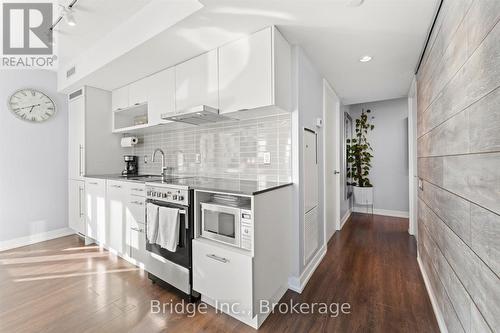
365	58
355	3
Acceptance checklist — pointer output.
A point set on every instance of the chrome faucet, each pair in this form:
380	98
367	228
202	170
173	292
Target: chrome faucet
163	166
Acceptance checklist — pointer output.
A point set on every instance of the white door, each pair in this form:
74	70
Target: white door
76	138
76	206
246	66
310	163
197	82
331	132
161	97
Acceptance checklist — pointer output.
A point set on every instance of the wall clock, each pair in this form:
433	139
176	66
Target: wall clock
32	105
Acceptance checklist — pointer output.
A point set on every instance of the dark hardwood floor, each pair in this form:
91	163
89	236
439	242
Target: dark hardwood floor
63	286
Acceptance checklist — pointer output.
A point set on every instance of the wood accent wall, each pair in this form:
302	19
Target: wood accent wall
458	87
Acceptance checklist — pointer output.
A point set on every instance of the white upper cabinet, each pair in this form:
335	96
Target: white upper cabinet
161	97
255	72
138	91
197	83
120	98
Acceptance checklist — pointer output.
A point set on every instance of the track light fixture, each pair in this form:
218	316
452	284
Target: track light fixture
67	12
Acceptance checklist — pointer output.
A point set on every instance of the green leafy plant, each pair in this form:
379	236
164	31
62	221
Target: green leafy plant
359	152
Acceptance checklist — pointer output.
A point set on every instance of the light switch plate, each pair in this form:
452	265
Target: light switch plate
198	158
420	184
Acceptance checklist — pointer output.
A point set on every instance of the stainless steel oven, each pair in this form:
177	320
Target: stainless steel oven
226	224
174	268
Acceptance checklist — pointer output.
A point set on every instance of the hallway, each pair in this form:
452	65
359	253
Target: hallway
59	285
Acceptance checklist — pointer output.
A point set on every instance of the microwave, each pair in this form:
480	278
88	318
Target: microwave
227	224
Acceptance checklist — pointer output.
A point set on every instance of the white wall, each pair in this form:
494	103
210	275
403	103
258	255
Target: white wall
389	140
308	106
33	169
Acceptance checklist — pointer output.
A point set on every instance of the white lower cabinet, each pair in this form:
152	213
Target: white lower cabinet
223	275
95	209
76	206
137	244
125	202
115	224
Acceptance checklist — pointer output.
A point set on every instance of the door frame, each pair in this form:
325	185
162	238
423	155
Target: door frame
412	159
327	89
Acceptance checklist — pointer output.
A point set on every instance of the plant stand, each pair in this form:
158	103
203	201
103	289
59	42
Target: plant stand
363	196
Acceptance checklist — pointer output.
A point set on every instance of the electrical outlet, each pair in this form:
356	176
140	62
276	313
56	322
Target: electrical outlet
266	157
198	158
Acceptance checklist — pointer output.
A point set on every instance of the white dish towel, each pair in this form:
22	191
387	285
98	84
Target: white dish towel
152	222
168	229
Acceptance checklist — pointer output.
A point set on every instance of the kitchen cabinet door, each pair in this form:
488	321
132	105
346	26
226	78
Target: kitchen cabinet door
223	274
76	138
246	73
161	97
95	209
120	98
138	91
137	245
116	231
197	83
76	206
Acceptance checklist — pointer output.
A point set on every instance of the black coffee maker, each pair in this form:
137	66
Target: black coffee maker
131	168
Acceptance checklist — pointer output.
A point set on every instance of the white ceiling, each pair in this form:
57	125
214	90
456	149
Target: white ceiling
95	18
333	35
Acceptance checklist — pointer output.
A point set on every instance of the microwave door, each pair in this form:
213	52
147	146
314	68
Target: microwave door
221	224
210	221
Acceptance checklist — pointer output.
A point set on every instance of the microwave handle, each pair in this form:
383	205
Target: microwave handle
221	209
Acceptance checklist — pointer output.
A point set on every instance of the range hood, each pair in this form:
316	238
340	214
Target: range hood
197	115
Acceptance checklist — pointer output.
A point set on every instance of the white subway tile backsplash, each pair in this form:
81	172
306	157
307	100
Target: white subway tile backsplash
231	149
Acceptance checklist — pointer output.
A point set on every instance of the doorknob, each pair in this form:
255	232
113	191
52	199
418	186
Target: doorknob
335	172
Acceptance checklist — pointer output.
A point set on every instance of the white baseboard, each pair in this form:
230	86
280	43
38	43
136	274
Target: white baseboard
298	284
36	238
385	212
346	217
435	307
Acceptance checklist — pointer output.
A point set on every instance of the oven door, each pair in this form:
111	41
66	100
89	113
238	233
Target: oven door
183	252
220	223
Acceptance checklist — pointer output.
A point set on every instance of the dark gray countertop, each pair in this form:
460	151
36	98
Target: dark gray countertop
234	186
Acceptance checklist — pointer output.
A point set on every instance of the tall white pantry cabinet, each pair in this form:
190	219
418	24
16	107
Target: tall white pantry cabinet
92	148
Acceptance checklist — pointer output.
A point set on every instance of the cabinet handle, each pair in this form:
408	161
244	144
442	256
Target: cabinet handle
214	257
116	186
137	203
137	229
137	189
93	183
80	190
80	168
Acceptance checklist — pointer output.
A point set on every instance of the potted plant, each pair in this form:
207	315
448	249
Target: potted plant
359	156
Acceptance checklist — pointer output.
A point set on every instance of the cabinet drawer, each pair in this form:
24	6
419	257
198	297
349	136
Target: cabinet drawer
135	189
136	208
223	275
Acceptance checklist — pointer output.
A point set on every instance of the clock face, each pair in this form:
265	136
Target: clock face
31	105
